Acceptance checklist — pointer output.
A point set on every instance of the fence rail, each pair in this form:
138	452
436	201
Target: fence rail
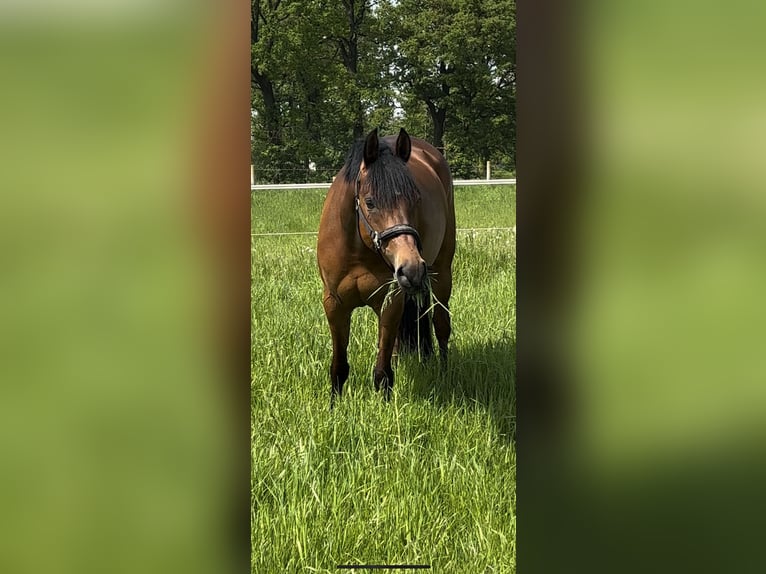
457	182
459	230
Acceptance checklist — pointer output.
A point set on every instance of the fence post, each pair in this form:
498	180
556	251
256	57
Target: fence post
252	174
487	170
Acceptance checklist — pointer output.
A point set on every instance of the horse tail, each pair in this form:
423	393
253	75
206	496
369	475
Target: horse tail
414	329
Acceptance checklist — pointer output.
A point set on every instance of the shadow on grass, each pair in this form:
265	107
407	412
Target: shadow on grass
477	376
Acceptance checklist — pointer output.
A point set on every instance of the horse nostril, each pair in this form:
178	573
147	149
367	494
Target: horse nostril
402	278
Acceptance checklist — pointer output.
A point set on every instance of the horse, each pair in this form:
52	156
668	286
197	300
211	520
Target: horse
388	220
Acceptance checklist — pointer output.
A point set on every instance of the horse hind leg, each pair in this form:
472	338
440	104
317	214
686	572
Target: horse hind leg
443	329
441	317
339	320
339	370
415	330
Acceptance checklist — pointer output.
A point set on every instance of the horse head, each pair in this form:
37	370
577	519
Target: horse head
387	201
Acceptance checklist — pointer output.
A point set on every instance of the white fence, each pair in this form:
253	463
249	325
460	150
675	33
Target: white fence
457	182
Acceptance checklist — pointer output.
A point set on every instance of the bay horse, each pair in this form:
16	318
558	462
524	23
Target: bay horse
388	219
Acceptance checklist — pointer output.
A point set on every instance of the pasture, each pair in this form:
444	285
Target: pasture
428	478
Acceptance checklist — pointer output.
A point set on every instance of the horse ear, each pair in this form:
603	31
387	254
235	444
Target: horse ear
403	145
371	147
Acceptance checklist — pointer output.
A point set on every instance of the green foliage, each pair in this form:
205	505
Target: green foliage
463	166
325	72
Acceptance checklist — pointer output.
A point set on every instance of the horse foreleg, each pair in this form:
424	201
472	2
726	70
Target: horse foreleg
388	329
339	319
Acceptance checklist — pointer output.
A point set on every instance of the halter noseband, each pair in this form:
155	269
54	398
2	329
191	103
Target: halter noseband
379	238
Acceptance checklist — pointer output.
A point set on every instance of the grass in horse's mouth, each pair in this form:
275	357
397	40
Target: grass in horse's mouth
424	296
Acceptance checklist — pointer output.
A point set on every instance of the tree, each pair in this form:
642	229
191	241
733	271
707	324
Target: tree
483	110
324	72
457	57
290	67
315	82
264	19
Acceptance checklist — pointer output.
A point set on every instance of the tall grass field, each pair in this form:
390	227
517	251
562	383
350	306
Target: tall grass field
427	479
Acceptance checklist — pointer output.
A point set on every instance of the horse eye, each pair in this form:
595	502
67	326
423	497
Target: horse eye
370	203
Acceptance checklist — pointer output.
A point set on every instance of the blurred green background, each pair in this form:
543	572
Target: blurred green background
665	332
111	427
669	330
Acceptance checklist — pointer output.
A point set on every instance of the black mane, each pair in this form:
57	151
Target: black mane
388	177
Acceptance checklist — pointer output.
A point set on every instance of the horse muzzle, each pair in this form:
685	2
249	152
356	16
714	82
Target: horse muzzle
411	276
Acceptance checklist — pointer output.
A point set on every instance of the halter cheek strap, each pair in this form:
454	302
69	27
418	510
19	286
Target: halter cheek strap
379	238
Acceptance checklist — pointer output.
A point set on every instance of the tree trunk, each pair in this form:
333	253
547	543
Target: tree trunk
439	113
438	119
271	116
359	121
271	109
349	51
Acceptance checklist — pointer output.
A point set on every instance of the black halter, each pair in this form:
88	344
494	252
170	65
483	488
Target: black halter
379	238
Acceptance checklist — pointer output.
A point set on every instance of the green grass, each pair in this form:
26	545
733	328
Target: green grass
277	211
427	478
